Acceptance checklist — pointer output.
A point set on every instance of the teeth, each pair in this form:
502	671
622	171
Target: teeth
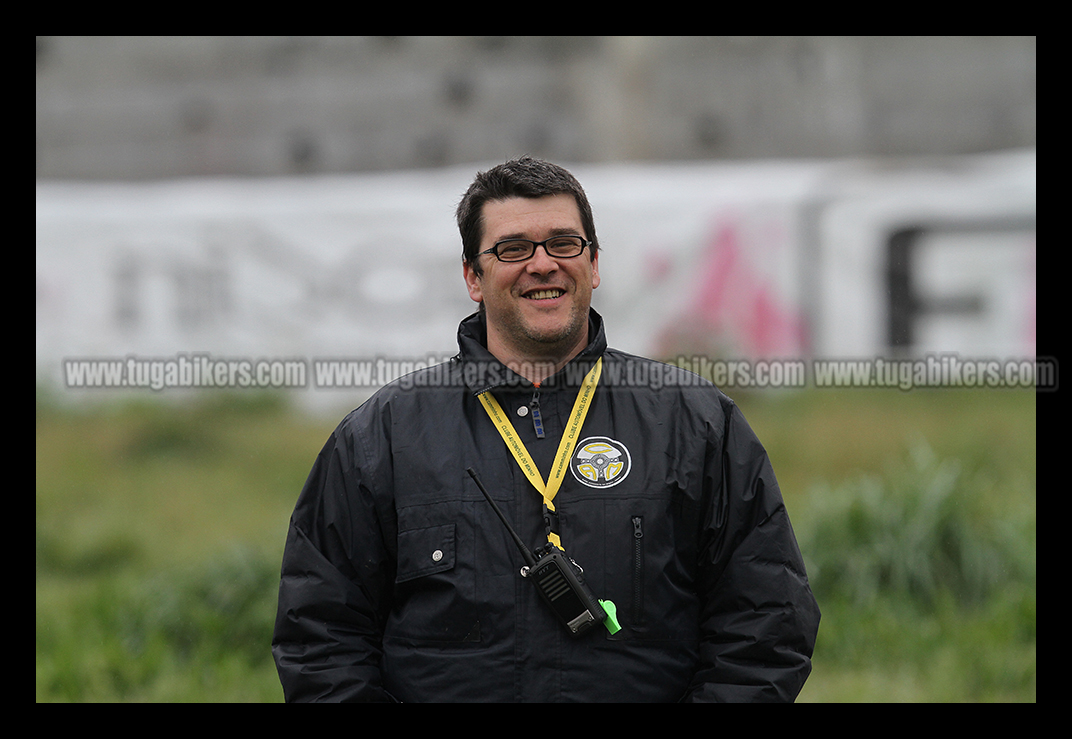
544	294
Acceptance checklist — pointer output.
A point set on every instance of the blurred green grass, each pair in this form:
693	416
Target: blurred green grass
915	512
159	530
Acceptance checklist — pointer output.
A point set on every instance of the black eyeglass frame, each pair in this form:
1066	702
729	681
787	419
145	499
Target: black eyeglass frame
535	245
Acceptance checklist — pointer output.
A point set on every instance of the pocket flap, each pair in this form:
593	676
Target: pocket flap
425	551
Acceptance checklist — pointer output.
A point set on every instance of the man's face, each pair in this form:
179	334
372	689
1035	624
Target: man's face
536	309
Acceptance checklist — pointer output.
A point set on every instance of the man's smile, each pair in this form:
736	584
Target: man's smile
544	293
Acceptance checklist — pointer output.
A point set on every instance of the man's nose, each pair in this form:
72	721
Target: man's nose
541	262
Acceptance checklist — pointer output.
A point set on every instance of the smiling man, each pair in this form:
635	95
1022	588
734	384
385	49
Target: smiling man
661	564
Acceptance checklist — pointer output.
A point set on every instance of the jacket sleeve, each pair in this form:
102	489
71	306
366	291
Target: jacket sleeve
759	619
334	584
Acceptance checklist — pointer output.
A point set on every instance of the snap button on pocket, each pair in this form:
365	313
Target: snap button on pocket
437	555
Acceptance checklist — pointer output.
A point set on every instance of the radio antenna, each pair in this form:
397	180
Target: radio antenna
530	560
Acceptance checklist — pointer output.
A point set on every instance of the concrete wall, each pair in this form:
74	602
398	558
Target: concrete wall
150	107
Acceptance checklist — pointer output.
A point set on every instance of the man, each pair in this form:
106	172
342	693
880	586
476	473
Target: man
399	582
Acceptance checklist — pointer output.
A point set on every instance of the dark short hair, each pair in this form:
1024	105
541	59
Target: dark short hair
525	178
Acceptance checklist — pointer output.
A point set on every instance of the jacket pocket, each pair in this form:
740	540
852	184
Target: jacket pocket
425	551
435	601
649	575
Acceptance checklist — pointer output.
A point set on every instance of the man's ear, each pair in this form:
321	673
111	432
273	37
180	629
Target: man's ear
472	282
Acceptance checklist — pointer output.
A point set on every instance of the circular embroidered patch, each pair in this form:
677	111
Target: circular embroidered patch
599	462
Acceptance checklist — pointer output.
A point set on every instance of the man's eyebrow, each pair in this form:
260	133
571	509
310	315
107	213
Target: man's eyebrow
562	231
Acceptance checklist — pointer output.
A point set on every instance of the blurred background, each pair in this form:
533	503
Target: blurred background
756	198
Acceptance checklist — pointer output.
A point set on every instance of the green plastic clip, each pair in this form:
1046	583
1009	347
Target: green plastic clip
611	621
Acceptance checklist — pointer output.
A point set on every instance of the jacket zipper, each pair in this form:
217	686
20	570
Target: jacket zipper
638	569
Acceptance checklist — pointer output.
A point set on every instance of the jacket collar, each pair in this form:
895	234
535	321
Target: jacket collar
482	371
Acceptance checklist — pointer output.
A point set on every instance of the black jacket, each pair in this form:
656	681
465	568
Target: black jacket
399	583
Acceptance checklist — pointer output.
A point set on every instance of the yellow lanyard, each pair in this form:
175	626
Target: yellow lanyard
565	448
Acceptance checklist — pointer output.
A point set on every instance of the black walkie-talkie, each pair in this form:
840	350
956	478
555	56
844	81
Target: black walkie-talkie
558	579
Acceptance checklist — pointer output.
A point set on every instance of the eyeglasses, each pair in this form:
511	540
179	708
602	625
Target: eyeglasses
518	250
